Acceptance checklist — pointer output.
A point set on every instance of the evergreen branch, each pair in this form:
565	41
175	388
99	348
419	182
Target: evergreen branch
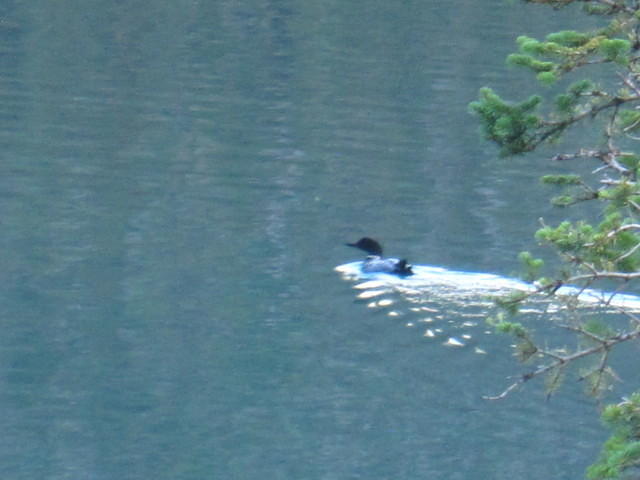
588	253
557	127
613	6
598	372
565	360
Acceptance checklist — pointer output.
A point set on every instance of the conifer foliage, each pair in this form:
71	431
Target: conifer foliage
597	73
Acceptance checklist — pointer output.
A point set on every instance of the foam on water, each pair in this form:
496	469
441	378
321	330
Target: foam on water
451	306
437	280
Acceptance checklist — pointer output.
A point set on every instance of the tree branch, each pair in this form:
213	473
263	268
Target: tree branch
565	360
601	275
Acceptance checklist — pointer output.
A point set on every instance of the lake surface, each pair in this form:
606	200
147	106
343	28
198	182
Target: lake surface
178	181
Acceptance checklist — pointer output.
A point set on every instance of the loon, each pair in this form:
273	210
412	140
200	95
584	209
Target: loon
374	263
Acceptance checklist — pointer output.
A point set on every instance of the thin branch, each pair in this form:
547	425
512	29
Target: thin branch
609	181
584	332
623	228
626	79
633	204
604	345
609	130
608	157
599	371
629	253
507	391
549	353
632	316
601	275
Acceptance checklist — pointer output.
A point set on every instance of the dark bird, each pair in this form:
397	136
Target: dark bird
374	263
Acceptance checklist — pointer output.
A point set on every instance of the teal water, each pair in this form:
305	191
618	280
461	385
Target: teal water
177	184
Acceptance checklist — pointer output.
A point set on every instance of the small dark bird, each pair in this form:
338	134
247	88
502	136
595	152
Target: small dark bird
374	263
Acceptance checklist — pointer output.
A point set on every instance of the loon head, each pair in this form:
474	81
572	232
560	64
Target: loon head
369	245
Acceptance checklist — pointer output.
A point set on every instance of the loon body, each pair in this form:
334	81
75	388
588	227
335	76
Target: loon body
375	263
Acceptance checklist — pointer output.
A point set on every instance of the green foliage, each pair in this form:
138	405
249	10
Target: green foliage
547	78
561	179
511	302
568	103
629	120
589	252
525	350
525	347
598	328
563	200
621	452
577	190
564	51
621	196
607	246
510	125
569	38
554	380
567	237
512	328
631	161
598	381
531	265
528	61
615	50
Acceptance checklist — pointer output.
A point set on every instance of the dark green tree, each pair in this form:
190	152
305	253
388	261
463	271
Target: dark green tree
601	71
